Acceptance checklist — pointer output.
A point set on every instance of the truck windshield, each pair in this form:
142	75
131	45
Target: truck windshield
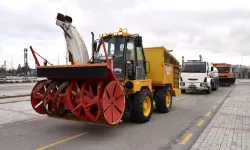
223	69
114	47
194	67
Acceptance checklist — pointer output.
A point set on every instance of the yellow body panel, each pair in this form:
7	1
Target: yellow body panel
138	84
176	91
164	68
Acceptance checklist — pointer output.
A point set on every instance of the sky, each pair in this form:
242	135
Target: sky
219	30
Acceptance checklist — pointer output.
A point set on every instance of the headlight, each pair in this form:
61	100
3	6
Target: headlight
203	84
182	84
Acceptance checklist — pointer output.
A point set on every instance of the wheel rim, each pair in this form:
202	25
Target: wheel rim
146	106
168	99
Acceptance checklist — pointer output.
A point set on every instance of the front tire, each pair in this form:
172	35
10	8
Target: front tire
142	106
209	90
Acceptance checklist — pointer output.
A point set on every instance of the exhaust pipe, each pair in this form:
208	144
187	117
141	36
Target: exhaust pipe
93	38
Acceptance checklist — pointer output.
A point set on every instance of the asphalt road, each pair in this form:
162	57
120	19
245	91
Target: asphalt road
177	129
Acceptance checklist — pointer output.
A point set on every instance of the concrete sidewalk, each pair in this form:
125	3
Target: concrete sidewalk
230	127
15	90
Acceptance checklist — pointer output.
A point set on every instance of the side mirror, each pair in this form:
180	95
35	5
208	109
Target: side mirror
147	67
212	68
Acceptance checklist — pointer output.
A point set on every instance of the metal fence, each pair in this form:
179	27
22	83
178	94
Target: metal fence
15	79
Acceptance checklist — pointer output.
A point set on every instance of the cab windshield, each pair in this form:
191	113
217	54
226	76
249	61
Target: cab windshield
194	67
223	69
115	47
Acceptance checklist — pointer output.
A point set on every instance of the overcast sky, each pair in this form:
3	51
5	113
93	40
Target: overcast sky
217	29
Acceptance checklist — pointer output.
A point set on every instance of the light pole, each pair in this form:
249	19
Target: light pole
26	64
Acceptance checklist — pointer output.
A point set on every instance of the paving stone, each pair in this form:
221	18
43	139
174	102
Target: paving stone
229	129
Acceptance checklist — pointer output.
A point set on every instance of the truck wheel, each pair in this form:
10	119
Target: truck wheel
209	90
217	85
183	91
163	99
214	86
142	106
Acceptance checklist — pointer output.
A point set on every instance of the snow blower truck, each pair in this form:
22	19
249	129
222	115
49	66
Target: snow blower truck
120	78
226	75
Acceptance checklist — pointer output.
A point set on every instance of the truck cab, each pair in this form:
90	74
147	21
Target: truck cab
226	74
198	75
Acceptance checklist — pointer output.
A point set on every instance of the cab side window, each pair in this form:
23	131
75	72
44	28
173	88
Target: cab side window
140	57
141	60
130	50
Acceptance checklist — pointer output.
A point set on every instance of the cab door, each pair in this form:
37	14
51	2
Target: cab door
140	59
119	48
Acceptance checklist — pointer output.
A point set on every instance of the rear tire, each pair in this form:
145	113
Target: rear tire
163	99
215	85
142	106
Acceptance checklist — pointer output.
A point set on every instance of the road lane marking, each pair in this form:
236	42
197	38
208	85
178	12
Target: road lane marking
184	141
1	126
200	123
35	119
208	114
214	106
181	98
61	141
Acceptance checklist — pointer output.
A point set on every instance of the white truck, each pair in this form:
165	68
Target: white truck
198	75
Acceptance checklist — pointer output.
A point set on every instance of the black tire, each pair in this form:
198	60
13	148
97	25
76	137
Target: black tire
137	114
183	91
56	110
208	91
50	87
160	99
215	85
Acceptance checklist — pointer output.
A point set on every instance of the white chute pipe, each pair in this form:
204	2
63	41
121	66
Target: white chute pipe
75	44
